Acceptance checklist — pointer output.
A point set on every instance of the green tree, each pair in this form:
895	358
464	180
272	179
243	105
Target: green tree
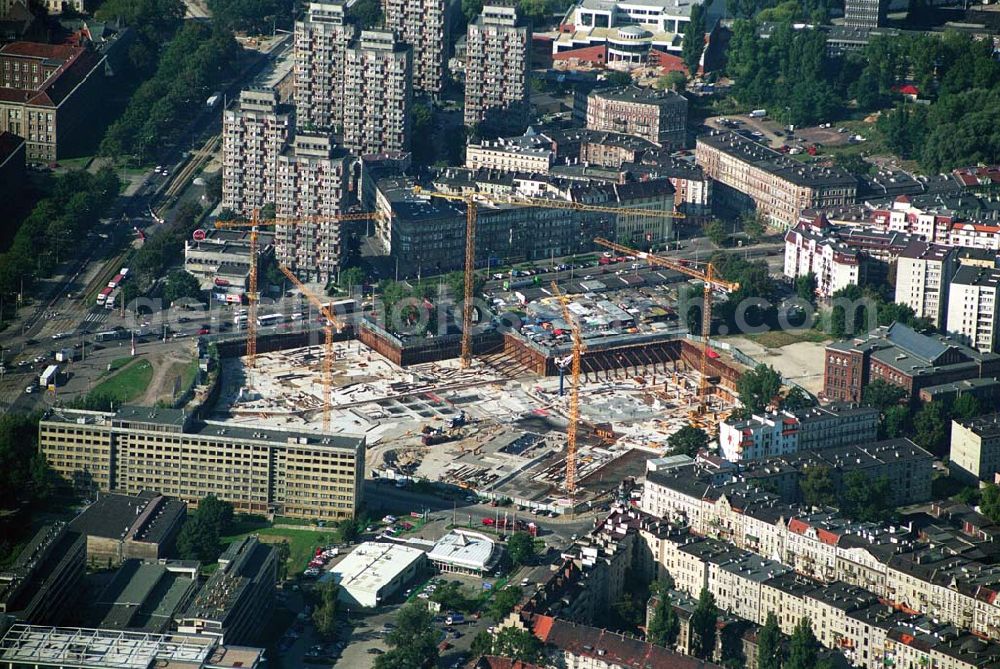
965	407
895	422
618	79
504	601
754	226
352	277
518	644
769	654
716	231
197	540
325	614
181	284
284	555
866	500
882	394
703	622
413	642
471	9
989	501
664	625
521	547
535	10
674	80
424	147
803	648
806	286
482	644
366	13
816	486
217	513
930	428
694	40
687	441
796	399
758	387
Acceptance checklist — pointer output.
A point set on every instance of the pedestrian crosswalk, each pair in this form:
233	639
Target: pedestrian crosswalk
97	317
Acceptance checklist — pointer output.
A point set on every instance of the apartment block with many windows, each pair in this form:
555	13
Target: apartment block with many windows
972	307
423	25
313	175
923	272
321	42
753	177
253	137
496	73
257	470
378	93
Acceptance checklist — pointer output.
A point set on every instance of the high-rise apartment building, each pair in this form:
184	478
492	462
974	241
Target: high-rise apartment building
975	448
378	93
423	25
923	273
253	136
321	42
496	72
972	307
865	13
312	184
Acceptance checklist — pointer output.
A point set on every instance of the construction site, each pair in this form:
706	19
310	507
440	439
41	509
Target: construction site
552	410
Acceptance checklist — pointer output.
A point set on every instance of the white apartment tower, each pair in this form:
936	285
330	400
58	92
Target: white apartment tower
972	307
321	42
378	93
496	73
923	272
423	25
253	136
312	184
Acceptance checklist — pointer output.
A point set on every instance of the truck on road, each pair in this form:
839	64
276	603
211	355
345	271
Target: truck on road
48	377
758	113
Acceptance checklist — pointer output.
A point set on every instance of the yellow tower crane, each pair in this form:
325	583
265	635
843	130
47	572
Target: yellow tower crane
710	281
254	224
472	201
574	395
328	329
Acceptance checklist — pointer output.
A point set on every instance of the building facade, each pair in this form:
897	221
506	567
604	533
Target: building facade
423	24
151	523
48	93
528	153
865	13
312	182
898	355
923	273
378	93
973	312
975	449
659	116
496	73
253	137
769	182
44	582
258	471
321	42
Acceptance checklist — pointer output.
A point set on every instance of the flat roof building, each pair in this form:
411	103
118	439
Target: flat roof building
85	648
235	603
145	597
373	572
298	474
465	552
42	583
119	527
975	448
973	312
659	116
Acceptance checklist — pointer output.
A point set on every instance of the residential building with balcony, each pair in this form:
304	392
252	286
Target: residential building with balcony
378	93
923	274
973	312
423	24
496	72
320	47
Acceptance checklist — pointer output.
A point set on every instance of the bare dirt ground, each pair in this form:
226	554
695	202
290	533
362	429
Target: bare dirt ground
801	362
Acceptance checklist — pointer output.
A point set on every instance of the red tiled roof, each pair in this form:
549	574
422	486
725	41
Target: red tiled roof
37	50
797	525
585	641
80	63
827	537
494	662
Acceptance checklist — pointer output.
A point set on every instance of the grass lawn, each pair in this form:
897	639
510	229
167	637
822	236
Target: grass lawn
779	338
118	363
303	544
189	374
128	383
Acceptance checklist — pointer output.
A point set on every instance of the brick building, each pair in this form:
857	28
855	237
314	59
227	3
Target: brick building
48	93
899	355
655	115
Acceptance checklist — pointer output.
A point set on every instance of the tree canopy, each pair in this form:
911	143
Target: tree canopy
504	601
181	284
325	614
816	486
694	39
758	387
413	642
518	644
521	547
199	539
687	441
769	651
803	648
664	625
703	621
865	499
